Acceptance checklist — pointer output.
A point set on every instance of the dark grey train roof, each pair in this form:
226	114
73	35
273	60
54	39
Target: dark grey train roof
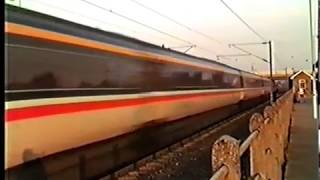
40	20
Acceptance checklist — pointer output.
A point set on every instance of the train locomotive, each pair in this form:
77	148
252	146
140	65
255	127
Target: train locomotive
68	85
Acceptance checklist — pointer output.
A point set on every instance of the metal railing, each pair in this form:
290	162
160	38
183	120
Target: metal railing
267	142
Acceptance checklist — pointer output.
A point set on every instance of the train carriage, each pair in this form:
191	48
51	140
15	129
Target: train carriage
68	85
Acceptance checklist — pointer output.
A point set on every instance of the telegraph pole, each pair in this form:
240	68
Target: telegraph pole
315	108
286	70
318	85
271	76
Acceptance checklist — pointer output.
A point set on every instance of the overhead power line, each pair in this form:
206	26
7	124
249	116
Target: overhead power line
249	43
135	21
176	22
250	53
84	16
243	21
98	20
147	26
232	55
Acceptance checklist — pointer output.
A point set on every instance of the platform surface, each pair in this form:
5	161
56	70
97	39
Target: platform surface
302	163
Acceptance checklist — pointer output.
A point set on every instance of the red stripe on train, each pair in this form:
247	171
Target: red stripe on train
46	110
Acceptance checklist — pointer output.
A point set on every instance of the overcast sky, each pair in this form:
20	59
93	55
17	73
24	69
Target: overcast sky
213	26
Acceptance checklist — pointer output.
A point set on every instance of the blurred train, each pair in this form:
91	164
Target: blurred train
68	85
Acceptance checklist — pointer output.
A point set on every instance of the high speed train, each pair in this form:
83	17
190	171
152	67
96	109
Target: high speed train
69	85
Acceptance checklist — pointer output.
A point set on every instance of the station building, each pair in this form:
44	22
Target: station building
302	80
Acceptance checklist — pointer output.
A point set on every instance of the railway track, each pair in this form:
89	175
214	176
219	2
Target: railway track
170	162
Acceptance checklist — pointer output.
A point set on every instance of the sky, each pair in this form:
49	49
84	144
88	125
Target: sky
207	24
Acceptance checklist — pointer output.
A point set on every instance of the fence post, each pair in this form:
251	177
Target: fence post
273	140
279	131
226	152
257	156
280	109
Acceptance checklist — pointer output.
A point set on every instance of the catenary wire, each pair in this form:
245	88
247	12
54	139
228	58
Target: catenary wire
135	21
176	22
243	21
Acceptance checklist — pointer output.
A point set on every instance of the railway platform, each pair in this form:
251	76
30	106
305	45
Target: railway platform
302	153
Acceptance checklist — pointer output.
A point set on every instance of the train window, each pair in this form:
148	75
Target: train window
38	64
206	76
267	83
217	79
232	81
251	82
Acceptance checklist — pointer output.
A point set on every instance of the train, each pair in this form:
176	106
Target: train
68	85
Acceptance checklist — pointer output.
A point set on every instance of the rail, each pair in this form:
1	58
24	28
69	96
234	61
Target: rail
267	143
